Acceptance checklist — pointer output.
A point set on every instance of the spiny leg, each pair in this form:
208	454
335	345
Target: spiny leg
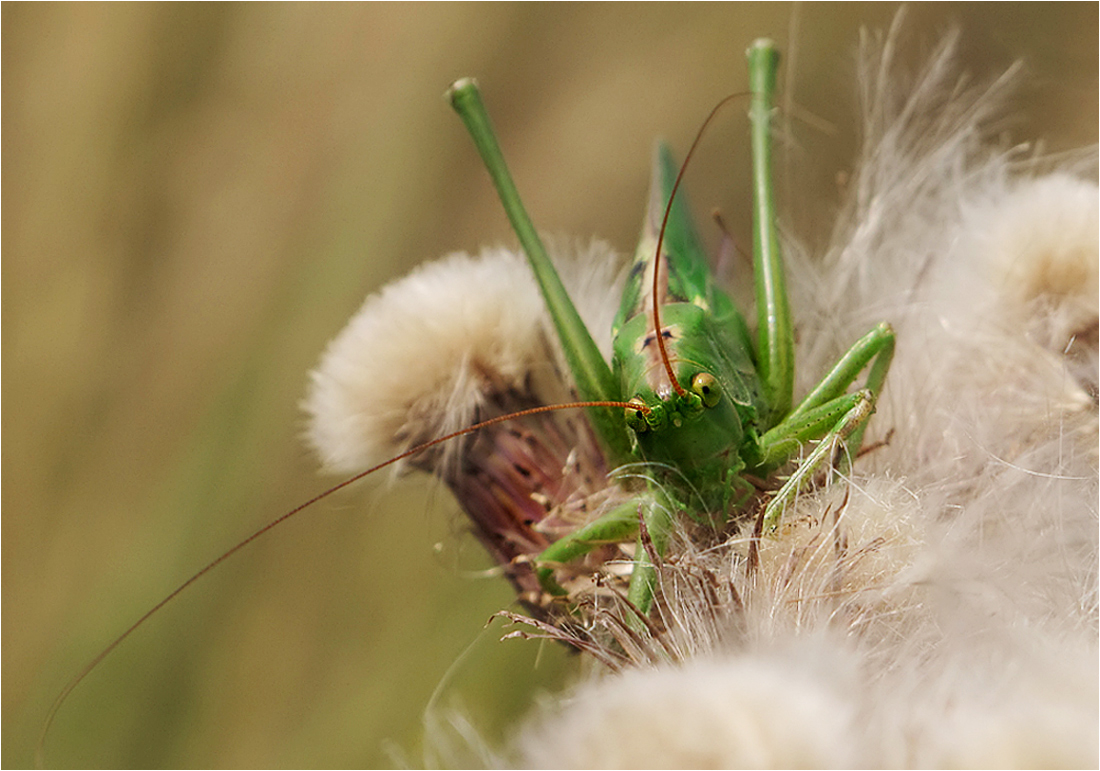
830	415
618	525
855	410
875	348
659	518
786	440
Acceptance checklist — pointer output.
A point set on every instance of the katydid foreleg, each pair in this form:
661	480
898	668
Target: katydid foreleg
618	525
875	348
854	410
826	413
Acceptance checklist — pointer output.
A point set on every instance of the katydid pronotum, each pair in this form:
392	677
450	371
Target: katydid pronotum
688	393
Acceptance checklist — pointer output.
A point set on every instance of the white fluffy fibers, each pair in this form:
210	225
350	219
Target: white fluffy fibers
782	711
941	611
416	361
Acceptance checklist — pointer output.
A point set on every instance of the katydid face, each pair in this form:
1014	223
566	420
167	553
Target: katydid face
698	436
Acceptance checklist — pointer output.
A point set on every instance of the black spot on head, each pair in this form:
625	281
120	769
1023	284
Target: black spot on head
652	338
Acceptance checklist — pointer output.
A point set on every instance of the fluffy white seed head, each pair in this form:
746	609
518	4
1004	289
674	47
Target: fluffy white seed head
735	712
417	359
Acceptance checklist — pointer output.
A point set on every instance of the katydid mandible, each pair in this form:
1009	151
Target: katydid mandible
708	406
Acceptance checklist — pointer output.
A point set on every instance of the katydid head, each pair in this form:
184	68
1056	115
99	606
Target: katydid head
680	351
659	271
700	434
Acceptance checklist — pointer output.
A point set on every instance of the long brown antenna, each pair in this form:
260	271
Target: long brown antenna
39	754
661	238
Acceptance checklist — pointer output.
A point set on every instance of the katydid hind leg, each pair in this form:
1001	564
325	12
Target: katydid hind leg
775	332
591	373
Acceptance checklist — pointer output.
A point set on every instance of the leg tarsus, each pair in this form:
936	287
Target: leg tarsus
880	365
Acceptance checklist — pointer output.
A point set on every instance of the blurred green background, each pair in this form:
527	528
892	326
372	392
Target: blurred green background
197	197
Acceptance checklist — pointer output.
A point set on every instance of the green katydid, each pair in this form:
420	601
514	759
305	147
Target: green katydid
705	405
688	392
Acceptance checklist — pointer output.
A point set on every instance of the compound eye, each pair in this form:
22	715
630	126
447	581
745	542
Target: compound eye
635	418
706	386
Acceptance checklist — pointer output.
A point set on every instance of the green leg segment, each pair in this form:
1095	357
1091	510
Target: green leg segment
877	344
875	348
591	373
659	518
830	415
618	525
853	419
786	440
775	344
